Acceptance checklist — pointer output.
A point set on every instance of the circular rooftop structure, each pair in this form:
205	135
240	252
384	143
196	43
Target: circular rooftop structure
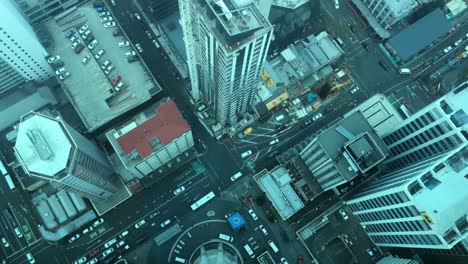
215	252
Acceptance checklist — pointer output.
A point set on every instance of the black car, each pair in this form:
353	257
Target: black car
307	123
353	28
88	39
328	109
365	46
273	154
384	66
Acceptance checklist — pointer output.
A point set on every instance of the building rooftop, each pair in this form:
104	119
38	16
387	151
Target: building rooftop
305	57
43	145
20	101
89	89
151	129
380	114
353	145
277	186
420	34
233	21
291	4
401	7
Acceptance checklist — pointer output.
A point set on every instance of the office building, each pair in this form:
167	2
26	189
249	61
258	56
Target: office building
344	151
38	10
227	42
422	205
418	200
437	128
385	12
22	57
152	138
290	18
50	150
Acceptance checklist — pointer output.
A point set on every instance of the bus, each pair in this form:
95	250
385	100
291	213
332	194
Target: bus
202	201
404	111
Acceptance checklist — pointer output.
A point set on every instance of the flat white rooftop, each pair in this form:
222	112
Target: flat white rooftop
42	144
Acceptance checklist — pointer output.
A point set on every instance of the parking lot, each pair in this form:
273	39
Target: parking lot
89	84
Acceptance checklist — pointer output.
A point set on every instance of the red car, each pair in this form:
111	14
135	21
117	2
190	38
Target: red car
116	80
299	259
251	199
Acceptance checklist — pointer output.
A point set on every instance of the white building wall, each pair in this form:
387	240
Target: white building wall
19	47
420	206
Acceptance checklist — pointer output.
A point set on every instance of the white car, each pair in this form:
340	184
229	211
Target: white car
284	261
80	261
60	71
108	70
155	42
126	247
246	154
93	44
124	44
458	42
148	33
179	190
74	44
139	47
5	242
106	19
30	258
98	222
137	16
73	238
130	53
448	49
337	4
87	230
93	261
140	224
343	214
316	117
104	14
109	24
107	252
99	54
86	59
83	28
105	64
253	214
121	243
53	59
165	223
264	231
86	34
353	91
111	242
273	142
123	234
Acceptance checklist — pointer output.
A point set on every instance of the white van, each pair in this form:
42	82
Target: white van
236	176
405	71
180	260
226	237
273	246
249	251
339	41
279	118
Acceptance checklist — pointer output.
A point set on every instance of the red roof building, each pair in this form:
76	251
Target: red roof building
152	137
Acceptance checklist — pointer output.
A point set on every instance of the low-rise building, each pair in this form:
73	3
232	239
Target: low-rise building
152	138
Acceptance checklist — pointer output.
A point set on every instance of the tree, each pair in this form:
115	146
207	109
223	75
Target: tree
260	200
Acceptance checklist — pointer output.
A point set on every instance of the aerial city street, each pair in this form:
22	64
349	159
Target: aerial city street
233	131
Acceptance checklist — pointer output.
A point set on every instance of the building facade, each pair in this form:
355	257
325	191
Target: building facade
418	200
37	10
151	139
389	12
227	43
48	149
418	206
437	128
22	57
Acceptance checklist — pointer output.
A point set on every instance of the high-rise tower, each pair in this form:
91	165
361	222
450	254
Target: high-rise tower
48	149
227	42
419	199
22	57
